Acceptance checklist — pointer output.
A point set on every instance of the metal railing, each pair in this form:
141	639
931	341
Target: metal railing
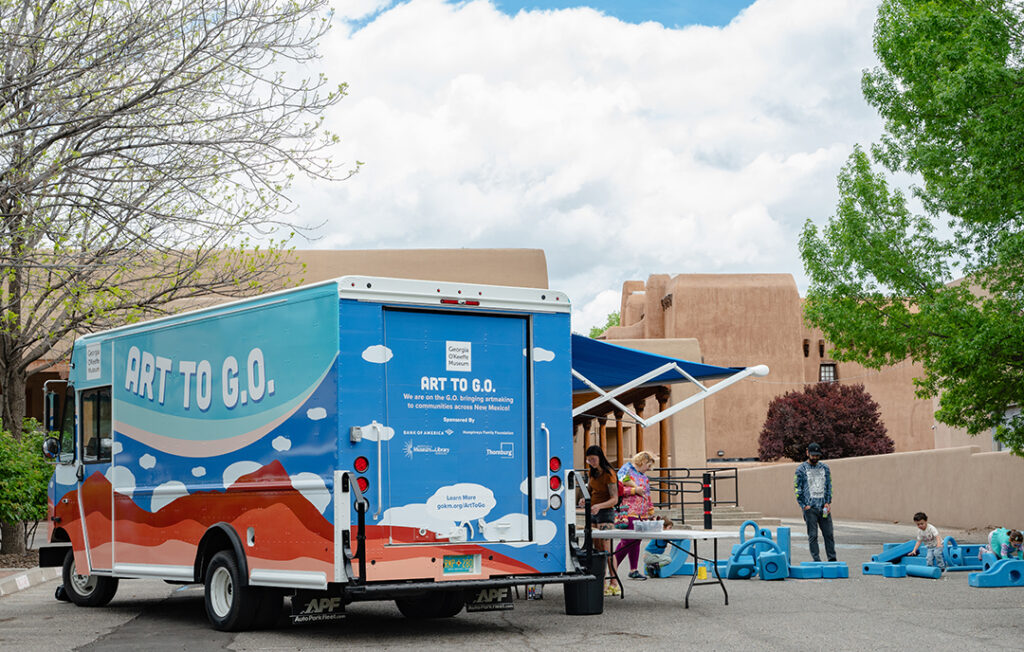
680	487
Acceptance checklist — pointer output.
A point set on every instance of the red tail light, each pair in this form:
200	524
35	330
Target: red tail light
363	483
361	464
554	464
556	483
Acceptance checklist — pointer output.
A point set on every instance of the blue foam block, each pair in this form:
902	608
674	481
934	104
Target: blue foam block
677	559
988	560
772	566
783	538
934	572
894	570
1005	572
873	568
805	572
894	552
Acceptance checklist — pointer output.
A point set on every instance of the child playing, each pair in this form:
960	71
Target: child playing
1005	544
657	554
929	536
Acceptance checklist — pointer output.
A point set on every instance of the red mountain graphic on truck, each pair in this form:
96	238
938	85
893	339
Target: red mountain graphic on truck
288	532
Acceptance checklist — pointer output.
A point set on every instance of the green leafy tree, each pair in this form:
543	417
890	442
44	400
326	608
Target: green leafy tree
142	144
612	320
24	475
942	284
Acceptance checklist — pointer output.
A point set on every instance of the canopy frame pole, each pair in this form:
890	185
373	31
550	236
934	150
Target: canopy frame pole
705	392
610	396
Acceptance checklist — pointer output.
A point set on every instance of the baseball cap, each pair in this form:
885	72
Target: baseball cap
813	448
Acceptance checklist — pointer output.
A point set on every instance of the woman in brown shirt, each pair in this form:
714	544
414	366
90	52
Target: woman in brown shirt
604	496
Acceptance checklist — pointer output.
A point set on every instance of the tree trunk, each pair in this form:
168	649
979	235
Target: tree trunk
13	536
13	399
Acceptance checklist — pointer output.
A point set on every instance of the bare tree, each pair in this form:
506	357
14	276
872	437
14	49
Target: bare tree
142	143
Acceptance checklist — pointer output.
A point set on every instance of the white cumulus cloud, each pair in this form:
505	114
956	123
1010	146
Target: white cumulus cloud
116	447
166	493
147	461
237	470
542	355
378	354
651	149
281	443
121	479
316	414
313	488
199	471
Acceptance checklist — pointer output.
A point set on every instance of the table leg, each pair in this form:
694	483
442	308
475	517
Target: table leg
717	575
693	578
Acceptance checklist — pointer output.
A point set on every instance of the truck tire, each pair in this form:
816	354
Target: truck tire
86	590
443	604
269	610
231	605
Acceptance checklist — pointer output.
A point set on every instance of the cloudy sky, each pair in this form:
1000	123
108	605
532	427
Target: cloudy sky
623	137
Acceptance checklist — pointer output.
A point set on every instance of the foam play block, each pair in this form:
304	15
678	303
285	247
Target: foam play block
933	572
1005	572
772	566
894	570
805	572
894	552
920	559
830	570
784	539
677	559
873	568
988	560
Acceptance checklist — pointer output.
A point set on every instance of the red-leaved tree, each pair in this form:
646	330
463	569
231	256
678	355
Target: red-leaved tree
843	419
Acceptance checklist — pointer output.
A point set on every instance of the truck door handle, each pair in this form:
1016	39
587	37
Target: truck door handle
547	465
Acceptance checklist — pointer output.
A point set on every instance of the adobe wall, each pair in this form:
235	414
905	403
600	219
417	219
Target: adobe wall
958	487
516	267
748	319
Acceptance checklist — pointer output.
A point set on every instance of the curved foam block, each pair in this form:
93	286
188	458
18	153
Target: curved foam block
678	559
934	572
873	568
894	552
1005	572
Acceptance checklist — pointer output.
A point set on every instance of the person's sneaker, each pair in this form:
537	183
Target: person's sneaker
636	575
612	589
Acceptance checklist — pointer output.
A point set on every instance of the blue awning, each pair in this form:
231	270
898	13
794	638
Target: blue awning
609	366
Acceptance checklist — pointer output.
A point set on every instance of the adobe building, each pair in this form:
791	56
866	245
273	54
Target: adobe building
516	267
750	319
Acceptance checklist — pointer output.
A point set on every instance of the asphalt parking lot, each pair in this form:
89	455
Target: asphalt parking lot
859	613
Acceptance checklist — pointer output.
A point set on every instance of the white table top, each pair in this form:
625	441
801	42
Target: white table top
666	534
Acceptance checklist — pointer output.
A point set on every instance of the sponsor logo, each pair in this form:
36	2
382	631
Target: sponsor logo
506	450
318	609
458	356
411	449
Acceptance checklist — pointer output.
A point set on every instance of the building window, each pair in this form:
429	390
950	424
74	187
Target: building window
821	348
807	348
827	373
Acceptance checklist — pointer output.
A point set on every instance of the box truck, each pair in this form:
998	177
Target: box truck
358	439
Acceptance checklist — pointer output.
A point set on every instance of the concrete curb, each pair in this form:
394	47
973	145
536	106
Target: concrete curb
27	579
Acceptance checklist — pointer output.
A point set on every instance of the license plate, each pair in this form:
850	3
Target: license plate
489	599
461	564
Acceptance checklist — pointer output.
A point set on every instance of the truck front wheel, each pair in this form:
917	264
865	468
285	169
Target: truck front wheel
86	590
231	605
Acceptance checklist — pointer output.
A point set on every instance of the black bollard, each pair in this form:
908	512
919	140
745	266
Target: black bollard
706	479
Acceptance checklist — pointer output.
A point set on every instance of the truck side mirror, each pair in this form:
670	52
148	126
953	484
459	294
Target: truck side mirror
51	448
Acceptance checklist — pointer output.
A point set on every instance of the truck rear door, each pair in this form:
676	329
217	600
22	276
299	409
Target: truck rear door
457	399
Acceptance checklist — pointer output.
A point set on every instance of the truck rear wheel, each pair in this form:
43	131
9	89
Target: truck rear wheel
86	590
432	605
231	605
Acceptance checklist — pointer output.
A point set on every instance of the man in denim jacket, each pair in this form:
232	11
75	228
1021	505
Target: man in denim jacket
813	485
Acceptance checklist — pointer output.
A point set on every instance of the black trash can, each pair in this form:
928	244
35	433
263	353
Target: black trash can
587	598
